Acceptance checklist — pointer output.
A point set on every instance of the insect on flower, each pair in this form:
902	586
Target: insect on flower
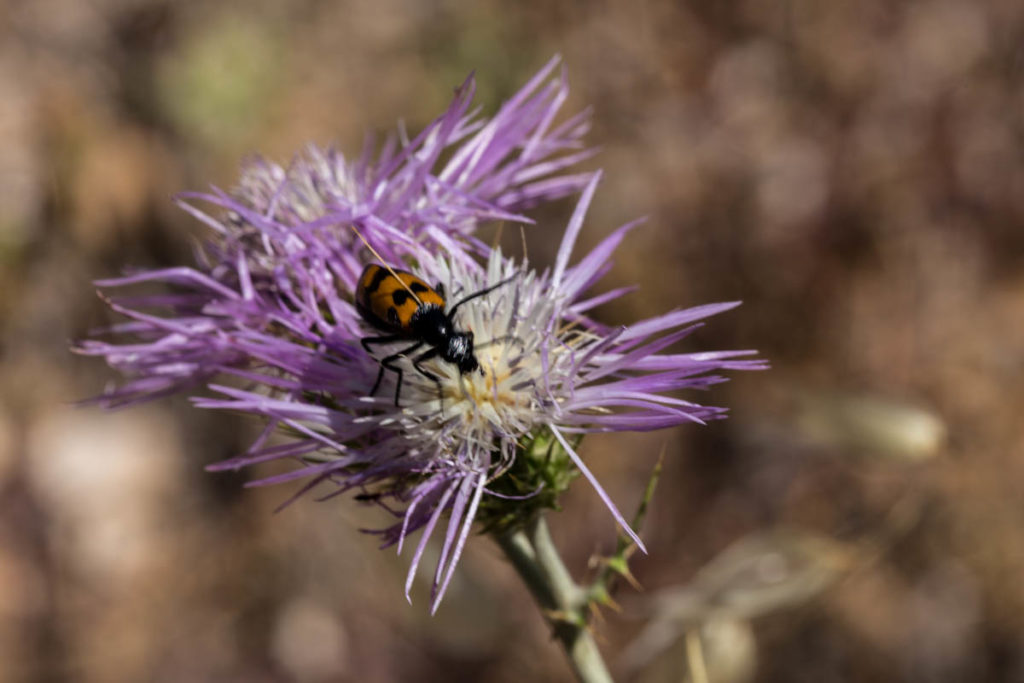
277	300
399	302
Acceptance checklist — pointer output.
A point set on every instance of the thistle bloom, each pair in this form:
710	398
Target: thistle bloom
547	370
271	306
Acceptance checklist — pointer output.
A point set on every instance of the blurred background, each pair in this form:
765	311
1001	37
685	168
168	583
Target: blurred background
853	171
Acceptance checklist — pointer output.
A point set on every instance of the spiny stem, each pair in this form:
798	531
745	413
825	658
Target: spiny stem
565	605
616	565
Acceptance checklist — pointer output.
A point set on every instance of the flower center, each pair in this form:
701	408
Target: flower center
499	394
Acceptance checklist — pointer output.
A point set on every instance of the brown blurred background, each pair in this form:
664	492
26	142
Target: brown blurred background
854	171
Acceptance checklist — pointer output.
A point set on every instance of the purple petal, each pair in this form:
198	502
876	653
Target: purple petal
573	230
605	498
427	531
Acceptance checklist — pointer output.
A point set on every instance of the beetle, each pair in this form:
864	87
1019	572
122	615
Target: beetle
407	308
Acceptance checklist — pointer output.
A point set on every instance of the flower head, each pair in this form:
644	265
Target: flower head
546	372
272	305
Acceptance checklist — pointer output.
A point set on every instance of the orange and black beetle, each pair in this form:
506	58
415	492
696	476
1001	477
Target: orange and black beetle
407	308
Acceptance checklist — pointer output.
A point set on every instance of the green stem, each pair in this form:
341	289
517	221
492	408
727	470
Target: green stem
532	552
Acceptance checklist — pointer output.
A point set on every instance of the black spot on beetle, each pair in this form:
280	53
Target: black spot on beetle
399	296
378	277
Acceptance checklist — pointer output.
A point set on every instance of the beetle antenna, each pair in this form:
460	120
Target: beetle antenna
385	264
480	293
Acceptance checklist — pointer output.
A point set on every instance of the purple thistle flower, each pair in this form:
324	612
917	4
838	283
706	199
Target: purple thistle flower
545	367
271	305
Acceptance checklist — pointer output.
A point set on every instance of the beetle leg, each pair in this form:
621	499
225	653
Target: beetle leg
388	363
427	355
504	338
367	341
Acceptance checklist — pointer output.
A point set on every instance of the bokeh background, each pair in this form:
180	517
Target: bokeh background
853	171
